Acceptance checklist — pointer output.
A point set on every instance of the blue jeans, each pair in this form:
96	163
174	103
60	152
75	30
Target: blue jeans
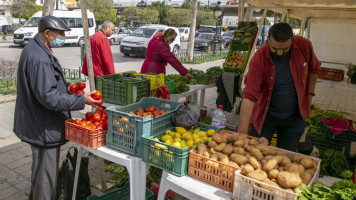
289	131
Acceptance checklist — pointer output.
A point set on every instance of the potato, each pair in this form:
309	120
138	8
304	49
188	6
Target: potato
233	164
239	159
225	137
233	137
247	169
288	180
306	178
285	160
243	136
256	153
270	165
254	163
228	149
206	154
221	155
280	169
281	153
268	151
273	174
239	150
263	162
247	155
310	171
239	143
307	163
276	167
296	190
212	144
269	182
220	147
267	158
297	158
258	175
202	148
260	147
225	160
294	168
253	142
246	141
263	140
278	158
214	157
301	170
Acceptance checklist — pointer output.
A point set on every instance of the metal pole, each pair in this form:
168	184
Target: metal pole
216	37
56	4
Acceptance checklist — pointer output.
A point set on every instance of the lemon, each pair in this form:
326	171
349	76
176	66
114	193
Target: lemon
196	131
210	132
187	137
205	138
168	132
209	139
170	142
197	141
177	144
180	130
166	137
177	139
183	143
190	132
156	139
190	143
172	133
177	135
196	136
202	133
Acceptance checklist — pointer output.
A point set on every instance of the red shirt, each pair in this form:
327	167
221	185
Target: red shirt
157	56
103	62
260	78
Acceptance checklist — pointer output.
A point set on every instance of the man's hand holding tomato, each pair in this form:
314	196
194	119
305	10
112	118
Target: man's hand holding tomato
89	99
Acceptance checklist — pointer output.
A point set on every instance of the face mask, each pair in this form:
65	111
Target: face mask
58	42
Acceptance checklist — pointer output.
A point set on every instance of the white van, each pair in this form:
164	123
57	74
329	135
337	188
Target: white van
184	34
137	42
73	19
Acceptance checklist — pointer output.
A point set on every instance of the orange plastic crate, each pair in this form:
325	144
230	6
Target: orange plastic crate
211	171
84	136
331	74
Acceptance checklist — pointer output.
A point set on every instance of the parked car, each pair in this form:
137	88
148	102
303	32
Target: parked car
184	34
205	41
205	29
228	37
137	42
118	35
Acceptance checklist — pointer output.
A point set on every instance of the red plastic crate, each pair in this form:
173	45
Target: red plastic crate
84	136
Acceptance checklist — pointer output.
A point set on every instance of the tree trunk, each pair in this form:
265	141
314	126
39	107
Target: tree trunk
48	7
193	22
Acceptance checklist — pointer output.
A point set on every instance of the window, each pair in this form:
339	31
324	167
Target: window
143	32
76	22
186	31
2	12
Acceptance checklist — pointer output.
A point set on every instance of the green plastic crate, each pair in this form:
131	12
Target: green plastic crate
203	79
125	92
122	193
324	144
170	85
167	157
126	135
236	48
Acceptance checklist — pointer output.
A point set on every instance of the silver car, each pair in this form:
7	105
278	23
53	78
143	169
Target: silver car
118	35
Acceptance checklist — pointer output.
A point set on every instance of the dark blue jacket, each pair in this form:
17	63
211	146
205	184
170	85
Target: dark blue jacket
42	103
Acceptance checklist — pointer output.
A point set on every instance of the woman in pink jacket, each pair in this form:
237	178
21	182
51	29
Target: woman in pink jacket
159	53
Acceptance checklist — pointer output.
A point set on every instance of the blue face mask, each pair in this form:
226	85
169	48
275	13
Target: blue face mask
58	42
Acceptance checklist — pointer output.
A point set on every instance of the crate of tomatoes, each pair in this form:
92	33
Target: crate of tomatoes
127	124
89	131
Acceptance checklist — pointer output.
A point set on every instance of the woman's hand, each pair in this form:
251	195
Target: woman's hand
188	76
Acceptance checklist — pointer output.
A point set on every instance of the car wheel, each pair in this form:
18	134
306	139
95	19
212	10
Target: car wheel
80	42
126	54
175	50
112	41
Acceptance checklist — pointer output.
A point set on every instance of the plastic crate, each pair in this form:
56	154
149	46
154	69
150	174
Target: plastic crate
126	135
84	136
246	188
131	72
122	193
167	157
202	168
331	74
237	48
156	81
203	79
127	91
253	36
348	135
324	144
170	85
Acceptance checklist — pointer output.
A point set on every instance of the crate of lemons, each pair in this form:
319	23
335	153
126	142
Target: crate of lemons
169	150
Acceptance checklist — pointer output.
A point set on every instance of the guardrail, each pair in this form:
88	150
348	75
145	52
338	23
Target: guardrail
202	57
8	85
74	75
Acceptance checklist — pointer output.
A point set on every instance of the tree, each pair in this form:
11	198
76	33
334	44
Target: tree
48	7
145	15
163	11
205	18
179	17
193	21
103	10
22	8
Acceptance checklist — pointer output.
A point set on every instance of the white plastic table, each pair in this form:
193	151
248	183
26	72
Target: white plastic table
191	95
202	88
190	188
134	165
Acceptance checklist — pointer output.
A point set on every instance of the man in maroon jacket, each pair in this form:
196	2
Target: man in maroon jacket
279	88
103	62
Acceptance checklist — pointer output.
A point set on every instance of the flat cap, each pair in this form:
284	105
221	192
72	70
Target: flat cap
52	22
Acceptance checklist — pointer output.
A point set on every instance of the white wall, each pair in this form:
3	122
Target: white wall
334	42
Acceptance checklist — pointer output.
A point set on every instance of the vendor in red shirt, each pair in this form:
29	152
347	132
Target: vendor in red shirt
280	85
103	62
159	53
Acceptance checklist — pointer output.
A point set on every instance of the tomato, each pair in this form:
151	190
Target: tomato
78	121
81	85
96	117
99	110
104	116
161	112
96	95
83	124
146	109
155	113
124	119
78	92
100	102
88	123
144	114
88	115
140	111
96	123
152	108
73	88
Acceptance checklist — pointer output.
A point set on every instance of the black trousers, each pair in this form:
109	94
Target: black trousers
289	130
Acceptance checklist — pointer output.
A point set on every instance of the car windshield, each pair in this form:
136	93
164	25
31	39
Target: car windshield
206	29
206	36
143	32
33	22
229	33
181	30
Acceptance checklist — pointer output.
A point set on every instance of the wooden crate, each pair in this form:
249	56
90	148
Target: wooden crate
331	74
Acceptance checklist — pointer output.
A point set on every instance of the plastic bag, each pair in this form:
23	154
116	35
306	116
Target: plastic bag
187	116
66	174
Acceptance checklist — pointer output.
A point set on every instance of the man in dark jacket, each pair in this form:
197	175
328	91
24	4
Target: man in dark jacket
4	30
43	104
